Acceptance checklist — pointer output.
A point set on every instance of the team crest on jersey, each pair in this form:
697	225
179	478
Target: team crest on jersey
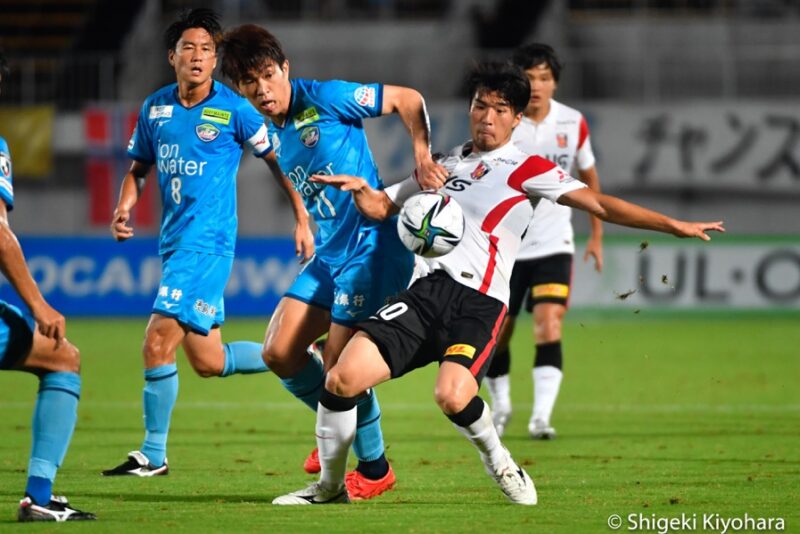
160	112
305	117
365	96
5	165
480	171
310	136
207	132
561	140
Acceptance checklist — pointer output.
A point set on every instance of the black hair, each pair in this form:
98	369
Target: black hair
203	18
535	54
247	49
4	69
505	79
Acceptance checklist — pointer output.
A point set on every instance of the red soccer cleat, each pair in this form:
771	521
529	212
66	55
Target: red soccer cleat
312	465
362	488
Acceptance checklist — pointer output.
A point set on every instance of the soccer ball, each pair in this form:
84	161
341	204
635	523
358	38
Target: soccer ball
430	224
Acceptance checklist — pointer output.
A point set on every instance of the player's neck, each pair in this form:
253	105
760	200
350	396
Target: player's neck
190	95
538	114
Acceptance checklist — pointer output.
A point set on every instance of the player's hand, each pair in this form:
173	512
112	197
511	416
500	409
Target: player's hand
344	182
430	175
594	249
697	229
51	323
119	225
303	241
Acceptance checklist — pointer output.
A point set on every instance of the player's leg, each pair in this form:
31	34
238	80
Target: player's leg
498	381
550	298
23	348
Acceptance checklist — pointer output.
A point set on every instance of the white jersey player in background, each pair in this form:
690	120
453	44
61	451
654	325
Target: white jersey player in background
542	275
452	315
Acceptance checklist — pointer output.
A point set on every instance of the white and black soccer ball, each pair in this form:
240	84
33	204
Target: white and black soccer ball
430	224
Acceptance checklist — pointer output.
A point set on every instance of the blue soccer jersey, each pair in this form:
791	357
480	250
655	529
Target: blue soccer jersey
6	175
324	134
197	152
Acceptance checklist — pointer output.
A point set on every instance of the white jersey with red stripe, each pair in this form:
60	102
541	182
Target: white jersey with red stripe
563	138
497	191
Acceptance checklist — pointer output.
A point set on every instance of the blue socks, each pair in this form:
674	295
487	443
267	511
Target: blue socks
160	394
368	445
307	384
243	357
53	422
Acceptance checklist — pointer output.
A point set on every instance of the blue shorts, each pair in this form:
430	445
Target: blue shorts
191	289
378	268
16	335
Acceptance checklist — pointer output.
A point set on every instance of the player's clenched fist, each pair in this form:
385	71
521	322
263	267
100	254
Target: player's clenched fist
119	225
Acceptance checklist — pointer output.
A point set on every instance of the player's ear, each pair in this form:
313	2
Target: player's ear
171	57
517	120
285	67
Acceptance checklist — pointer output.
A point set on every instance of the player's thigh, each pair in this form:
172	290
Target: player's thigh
292	328
550	295
338	336
455	387
46	355
24	348
162	337
205	352
520	285
360	367
506	332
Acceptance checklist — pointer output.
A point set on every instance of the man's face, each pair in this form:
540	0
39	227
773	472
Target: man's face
543	85
194	57
491	120
269	91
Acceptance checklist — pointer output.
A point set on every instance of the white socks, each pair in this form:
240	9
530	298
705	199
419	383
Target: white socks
546	383
500	393
483	435
335	434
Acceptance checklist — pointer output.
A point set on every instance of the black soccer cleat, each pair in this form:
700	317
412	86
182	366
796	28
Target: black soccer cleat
58	510
137	465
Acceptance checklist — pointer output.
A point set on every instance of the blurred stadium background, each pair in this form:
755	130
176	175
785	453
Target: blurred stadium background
692	105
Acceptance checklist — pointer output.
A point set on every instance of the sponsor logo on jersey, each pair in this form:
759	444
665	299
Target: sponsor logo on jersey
5	165
561	139
480	171
365	96
132	142
160	112
305	117
560	291
309	136
460	350
505	161
207	132
216	115
205	308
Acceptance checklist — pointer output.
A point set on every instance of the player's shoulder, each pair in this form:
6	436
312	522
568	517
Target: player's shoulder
226	97
564	112
162	94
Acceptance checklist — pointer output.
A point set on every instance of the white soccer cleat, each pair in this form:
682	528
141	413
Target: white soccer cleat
516	484
540	429
316	493
500	419
137	465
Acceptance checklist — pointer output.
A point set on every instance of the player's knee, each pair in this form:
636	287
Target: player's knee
548	328
73	359
279	359
205	369
451	400
155	351
340	384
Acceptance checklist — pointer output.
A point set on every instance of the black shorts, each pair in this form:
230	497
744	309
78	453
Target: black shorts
545	279
436	320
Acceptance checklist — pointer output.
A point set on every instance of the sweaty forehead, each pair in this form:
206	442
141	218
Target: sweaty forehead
196	36
542	69
490	97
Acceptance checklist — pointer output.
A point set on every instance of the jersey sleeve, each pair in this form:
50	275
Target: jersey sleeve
140	146
6	175
584	158
352	101
539	177
398	193
251	130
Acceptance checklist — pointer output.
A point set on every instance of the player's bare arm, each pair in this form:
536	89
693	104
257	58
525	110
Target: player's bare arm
410	105
372	203
594	247
618	211
12	262
303	237
129	193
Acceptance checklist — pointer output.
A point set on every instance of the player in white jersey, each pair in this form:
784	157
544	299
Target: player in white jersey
452	316
542	274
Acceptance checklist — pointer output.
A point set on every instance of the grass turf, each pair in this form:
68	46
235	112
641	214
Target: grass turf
659	416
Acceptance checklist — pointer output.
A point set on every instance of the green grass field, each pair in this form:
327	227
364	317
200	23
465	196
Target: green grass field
661	415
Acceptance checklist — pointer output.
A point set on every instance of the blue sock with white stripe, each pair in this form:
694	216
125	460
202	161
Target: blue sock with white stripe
307	384
368	445
243	357
53	422
160	394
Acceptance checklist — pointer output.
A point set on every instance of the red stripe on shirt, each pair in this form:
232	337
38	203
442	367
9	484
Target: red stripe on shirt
487	276
489	224
487	350
583	133
533	166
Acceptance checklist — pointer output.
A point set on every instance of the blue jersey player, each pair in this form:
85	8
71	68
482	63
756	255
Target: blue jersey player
316	127
193	132
32	340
